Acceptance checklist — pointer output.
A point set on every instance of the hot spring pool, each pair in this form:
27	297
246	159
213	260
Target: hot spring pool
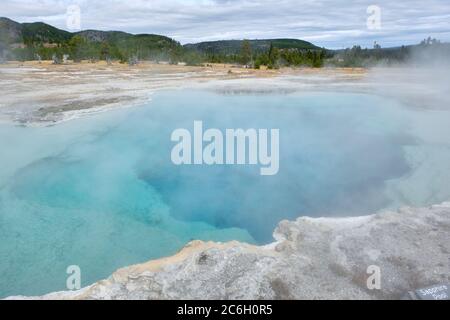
101	192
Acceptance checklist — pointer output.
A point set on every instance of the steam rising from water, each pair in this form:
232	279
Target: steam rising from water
422	81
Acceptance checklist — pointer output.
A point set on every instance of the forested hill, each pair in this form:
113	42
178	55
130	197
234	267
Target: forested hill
231	47
25	41
31	41
15	33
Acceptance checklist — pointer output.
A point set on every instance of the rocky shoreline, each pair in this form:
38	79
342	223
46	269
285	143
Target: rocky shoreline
312	258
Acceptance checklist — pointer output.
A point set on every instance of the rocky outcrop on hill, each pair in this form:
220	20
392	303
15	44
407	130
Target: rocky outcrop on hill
324	258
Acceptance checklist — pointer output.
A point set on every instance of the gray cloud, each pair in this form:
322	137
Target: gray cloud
329	23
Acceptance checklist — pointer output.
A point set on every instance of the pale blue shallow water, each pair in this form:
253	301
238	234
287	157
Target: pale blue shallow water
101	192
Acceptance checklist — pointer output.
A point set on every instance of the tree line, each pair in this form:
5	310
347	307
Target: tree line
132	50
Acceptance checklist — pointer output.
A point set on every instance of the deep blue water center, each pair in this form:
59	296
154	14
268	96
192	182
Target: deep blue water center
101	192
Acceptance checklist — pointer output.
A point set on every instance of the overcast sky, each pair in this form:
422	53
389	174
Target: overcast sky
328	23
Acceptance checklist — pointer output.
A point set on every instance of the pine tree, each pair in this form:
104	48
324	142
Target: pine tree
246	52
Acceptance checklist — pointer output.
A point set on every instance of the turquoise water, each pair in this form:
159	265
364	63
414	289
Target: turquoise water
101	192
